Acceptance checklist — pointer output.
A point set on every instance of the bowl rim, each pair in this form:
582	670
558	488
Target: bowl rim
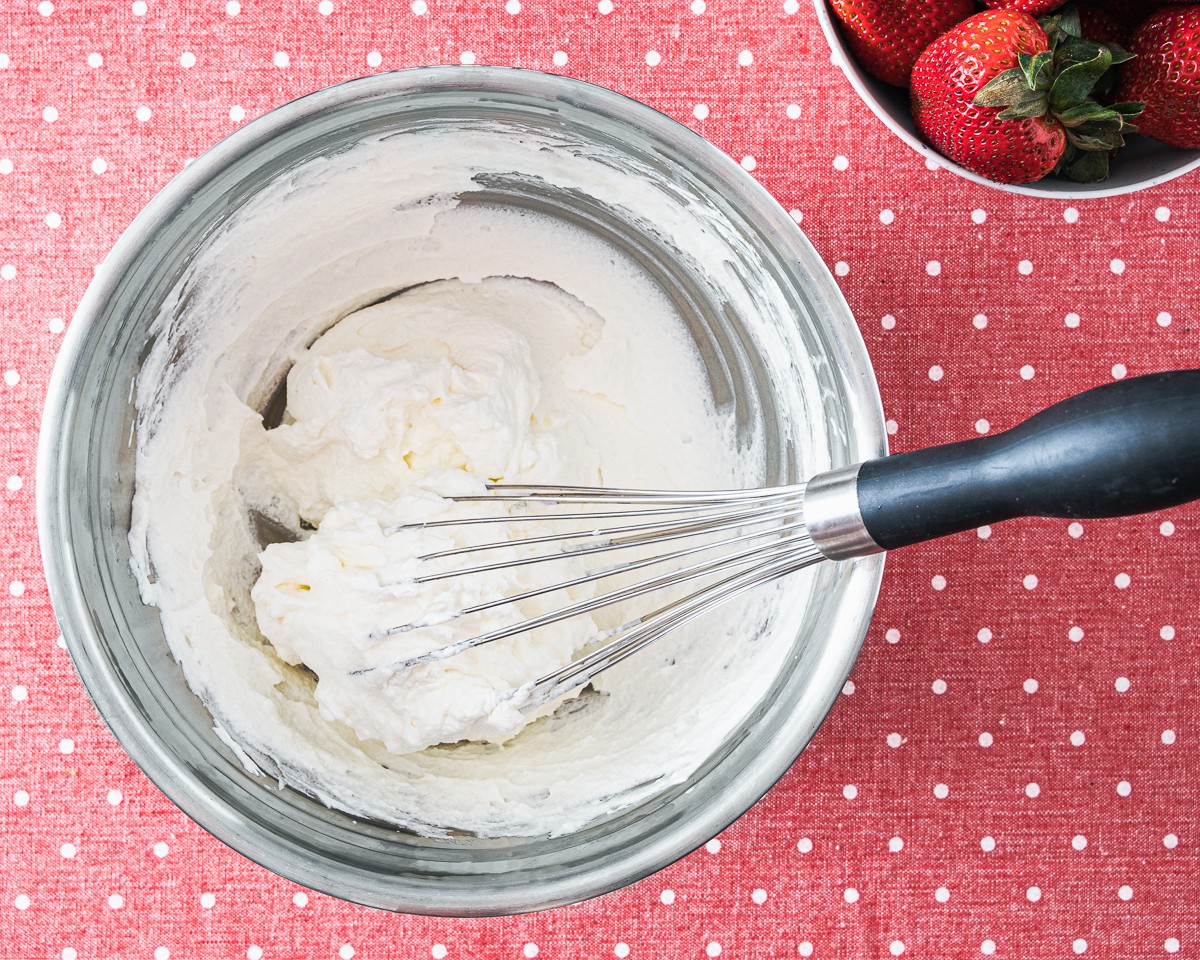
846	62
137	737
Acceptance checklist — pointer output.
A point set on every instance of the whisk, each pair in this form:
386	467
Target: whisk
1124	448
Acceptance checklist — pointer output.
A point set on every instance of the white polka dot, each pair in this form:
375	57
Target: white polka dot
161	849
841	163
1125	892
513	7
653	58
142	114
1025	268
55	325
95	60
620	951
896	947
978	216
116	901
1117	266
759	896
938	686
21	798
933	268
886	216
892	635
419	8
5	61
138	8
988	947
806	948
938	582
1171	945
749	163
162	953
698	7
6	166
187	60
374	58
467	57
1031	685
237	114
713	845
605	6
11	377
233	8
1075	530
1079	946
1033	894
793	111
849	688
667	897
300	898
1168	737
1164	319
941	895
1030	581
984	635
439	952
895	845
45	8
985	739
941	791
849	791
791	7
22	902
887	321
1166	528
713	949
894	740
979	321
346	951
99	165
841	268
1162	214
1124	788
1170	841
208	901
850	895
325	8
66	745
1079	841
936	373
745	58
49	114
1078	738
19	693
115	797
987	844
560	58
53	220
1119	371
1121	684
281	58
1032	790
804	845
1167	632
67	851
1071	320
700	111
70	953
982	425
1075	634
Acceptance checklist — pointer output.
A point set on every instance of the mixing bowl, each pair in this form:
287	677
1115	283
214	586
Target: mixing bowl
1141	164
86	482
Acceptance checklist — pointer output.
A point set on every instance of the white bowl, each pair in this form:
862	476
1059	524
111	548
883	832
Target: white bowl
1141	164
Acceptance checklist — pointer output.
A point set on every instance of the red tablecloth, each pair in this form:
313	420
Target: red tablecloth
1012	770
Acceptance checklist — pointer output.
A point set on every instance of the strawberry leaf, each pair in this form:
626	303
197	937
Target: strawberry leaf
1075	83
1003	90
1035	67
1033	104
1087	167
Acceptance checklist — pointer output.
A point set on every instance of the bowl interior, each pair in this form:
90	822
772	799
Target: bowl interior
87	474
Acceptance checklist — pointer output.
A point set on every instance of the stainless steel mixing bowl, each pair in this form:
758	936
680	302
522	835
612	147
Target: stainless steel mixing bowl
86	474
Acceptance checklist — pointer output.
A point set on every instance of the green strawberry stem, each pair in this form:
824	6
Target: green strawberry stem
1061	82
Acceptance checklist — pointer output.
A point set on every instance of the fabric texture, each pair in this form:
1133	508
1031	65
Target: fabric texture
1011	770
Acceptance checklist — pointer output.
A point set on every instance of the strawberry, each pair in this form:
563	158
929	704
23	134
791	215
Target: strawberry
1096	23
887	35
1010	99
1034	7
1166	75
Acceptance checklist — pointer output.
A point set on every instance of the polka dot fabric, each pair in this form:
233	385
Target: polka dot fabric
1011	769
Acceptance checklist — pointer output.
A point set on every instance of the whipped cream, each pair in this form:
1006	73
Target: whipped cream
428	343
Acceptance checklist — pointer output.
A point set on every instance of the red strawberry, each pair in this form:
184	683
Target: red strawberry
1096	23
1011	101
1166	75
886	36
1034	7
